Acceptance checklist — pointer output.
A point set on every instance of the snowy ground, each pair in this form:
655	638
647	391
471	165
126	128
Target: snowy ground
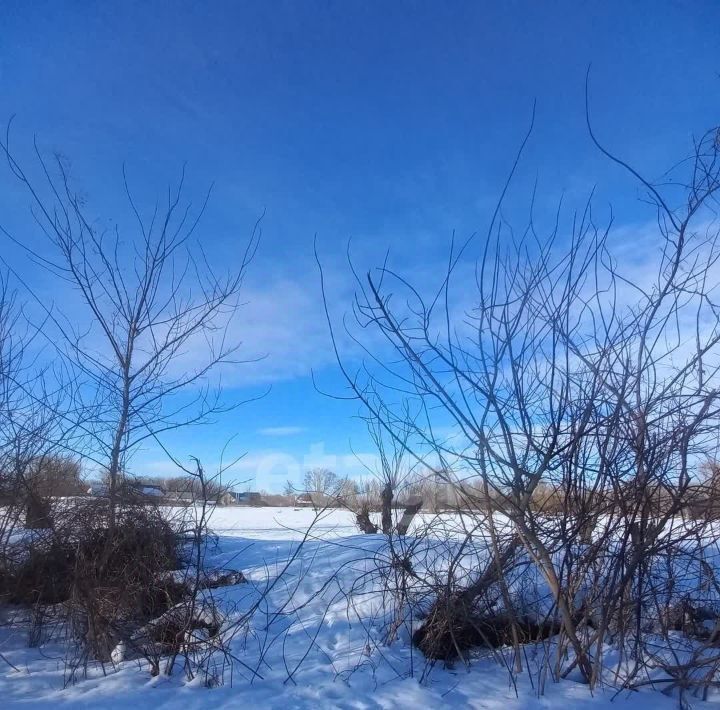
308	646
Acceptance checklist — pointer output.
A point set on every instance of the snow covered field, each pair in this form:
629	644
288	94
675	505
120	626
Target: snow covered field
314	642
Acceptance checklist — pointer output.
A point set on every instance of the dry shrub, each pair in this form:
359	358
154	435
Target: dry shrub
109	581
455	625
119	579
548	499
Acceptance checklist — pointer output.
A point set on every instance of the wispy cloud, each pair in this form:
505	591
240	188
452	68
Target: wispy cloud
281	430
281	331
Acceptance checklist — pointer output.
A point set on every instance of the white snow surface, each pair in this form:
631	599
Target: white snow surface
308	646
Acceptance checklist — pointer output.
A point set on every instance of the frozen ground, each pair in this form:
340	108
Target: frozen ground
309	646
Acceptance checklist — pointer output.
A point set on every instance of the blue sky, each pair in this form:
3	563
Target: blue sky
388	124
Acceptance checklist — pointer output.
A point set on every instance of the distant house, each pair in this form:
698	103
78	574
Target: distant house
147	492
153	491
304	500
240	498
138	491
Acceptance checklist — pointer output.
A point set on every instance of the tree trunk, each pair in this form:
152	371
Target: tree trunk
407	518
387	496
365	524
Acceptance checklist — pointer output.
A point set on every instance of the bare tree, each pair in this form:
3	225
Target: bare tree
55	475
321	484
33	421
563	374
394	470
149	298
157	326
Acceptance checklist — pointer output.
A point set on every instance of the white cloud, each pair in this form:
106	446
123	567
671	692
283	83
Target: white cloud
281	430
282	323
281	329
